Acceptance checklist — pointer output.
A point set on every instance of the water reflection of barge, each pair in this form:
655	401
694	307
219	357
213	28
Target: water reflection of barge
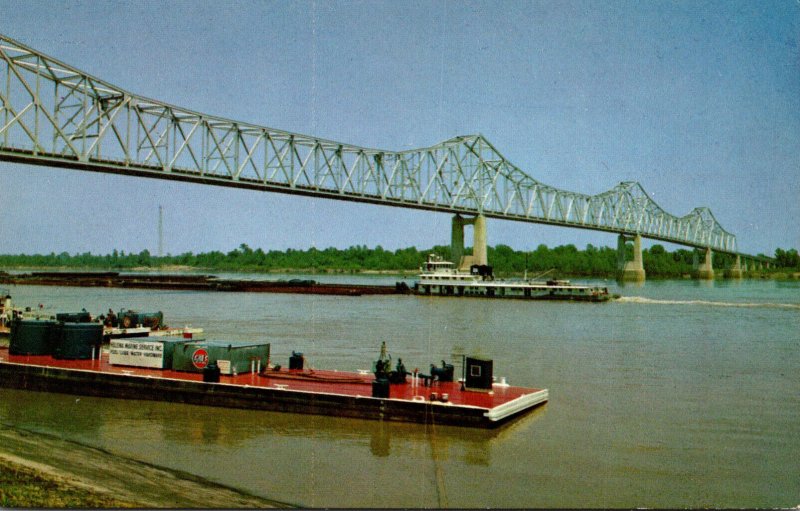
440	277
475	401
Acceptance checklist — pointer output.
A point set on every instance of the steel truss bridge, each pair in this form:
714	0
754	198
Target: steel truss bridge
53	114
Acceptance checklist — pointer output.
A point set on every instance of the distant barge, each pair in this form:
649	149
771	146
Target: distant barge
196	283
333	393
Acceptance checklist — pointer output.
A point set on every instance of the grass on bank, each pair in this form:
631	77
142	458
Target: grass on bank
24	487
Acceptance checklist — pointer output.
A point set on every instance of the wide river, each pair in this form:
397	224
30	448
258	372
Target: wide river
681	394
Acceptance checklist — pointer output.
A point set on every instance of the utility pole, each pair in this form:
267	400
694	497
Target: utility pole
160	231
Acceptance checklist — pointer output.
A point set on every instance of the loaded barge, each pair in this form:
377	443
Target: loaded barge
196	283
241	376
126	323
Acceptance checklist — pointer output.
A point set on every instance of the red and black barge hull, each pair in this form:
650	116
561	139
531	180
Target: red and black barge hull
328	393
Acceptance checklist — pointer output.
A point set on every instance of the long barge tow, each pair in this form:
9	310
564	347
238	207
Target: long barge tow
197	283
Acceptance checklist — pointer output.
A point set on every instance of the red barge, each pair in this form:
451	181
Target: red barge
423	399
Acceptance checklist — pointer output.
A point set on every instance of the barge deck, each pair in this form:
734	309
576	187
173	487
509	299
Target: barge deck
333	393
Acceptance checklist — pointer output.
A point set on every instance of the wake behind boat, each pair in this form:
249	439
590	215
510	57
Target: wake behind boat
440	277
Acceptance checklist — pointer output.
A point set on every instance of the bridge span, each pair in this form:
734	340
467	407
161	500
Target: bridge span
56	115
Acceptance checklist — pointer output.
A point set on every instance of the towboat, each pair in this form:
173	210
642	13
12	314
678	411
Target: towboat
442	278
9	313
6	312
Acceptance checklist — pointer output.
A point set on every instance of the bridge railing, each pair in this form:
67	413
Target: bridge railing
52	113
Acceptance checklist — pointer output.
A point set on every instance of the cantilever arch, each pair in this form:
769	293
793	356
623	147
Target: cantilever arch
630	271
478	242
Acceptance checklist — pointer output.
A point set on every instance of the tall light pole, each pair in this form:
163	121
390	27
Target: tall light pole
160	231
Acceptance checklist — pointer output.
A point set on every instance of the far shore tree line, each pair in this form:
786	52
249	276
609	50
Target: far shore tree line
562	260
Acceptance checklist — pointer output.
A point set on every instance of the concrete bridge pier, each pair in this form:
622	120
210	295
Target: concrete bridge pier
457	240
478	242
704	270
630	271
736	271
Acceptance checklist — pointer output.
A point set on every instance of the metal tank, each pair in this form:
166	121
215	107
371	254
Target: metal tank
131	319
78	341
74	317
32	337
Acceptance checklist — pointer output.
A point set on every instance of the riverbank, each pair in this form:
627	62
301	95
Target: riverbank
779	274
43	471
558	262
24	487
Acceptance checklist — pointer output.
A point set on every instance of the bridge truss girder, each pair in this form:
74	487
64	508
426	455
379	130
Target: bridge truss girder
53	114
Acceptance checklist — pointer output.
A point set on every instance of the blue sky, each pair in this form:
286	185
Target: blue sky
698	101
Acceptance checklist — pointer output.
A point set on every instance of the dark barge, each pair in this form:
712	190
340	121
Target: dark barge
197	283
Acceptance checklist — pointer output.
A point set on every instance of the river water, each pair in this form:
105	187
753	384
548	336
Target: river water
681	394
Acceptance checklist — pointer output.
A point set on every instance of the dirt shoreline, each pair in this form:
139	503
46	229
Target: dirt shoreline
124	479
